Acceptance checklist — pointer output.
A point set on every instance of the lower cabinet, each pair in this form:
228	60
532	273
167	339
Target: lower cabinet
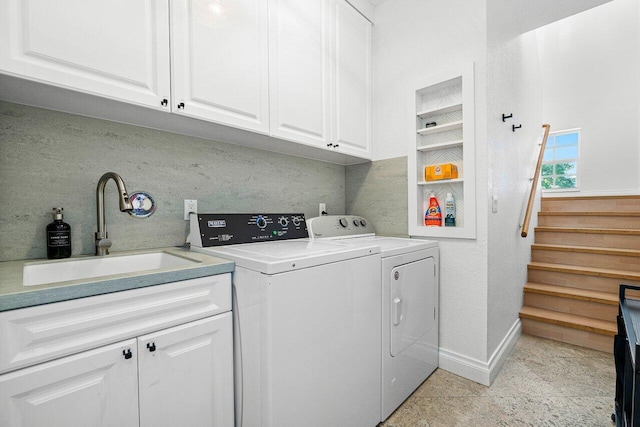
158	355
182	375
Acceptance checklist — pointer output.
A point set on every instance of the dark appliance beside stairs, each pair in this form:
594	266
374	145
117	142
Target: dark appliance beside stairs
626	351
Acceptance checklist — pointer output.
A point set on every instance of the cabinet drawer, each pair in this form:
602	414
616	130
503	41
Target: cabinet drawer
36	334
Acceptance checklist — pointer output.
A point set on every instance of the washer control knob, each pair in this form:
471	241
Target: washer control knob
363	223
261	222
296	221
356	223
283	221
343	222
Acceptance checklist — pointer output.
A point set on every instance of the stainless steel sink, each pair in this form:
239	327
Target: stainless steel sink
41	273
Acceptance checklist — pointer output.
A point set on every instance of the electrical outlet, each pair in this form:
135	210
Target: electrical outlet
322	207
190	206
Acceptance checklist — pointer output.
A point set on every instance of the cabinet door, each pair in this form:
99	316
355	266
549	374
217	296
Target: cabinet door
117	49
351	71
299	70
220	61
186	374
95	388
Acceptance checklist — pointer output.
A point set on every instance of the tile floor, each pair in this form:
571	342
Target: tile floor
542	383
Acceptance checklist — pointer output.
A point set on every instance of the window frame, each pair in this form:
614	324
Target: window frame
553	162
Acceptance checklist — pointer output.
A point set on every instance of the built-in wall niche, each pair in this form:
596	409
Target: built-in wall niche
442	129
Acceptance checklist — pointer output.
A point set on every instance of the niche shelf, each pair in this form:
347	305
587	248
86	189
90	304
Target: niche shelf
441	128
446	98
441	145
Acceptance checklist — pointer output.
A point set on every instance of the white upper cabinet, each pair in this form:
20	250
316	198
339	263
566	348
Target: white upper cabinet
320	74
220	61
296	70
299	70
117	49
351	101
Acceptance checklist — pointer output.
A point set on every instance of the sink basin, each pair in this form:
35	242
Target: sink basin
88	268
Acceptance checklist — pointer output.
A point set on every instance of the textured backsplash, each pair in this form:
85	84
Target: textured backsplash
52	159
378	192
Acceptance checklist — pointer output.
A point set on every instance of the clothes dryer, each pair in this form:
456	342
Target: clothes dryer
409	271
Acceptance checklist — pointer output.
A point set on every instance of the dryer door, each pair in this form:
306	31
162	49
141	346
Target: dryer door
412	303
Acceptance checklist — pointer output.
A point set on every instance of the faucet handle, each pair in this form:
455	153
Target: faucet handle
102	245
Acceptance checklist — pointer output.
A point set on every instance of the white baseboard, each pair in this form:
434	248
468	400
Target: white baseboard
476	370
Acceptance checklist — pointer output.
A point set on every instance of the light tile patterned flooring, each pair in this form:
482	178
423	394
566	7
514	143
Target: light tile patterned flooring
542	383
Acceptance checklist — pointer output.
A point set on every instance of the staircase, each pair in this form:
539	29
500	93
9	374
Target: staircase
584	248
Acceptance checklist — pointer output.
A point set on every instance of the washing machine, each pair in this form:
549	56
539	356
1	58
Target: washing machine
308	323
409	271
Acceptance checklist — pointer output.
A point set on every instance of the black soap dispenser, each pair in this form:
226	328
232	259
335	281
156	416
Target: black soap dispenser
58	237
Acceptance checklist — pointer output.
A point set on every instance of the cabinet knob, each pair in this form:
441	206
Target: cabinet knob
329	145
336	145
181	105
164	102
127	353
151	346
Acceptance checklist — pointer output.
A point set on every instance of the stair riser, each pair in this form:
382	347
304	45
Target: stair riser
594	283
615	262
569	335
591	205
581	308
584	239
585	221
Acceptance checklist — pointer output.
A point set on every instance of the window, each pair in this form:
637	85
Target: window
560	161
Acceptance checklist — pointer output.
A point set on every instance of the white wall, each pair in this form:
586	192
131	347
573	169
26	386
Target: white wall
513	88
413	39
481	279
515	84
591	69
416	38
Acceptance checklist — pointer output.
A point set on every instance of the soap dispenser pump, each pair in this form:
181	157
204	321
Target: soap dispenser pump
58	237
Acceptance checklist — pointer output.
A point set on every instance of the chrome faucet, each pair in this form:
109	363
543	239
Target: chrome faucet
102	238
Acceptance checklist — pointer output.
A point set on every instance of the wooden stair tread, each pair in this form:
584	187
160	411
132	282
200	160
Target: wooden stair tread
578	303
612	197
572	293
589	213
586	271
627	231
569	320
586	249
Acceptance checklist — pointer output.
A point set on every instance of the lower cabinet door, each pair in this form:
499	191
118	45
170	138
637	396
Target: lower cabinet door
186	374
94	388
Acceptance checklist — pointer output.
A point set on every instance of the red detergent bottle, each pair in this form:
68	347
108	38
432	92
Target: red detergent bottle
433	215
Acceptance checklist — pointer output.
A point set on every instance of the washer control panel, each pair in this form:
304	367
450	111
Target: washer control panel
230	229
339	226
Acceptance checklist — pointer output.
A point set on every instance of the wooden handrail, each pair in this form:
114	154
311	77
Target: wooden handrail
534	183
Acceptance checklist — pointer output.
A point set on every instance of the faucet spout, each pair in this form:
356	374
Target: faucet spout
102	238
